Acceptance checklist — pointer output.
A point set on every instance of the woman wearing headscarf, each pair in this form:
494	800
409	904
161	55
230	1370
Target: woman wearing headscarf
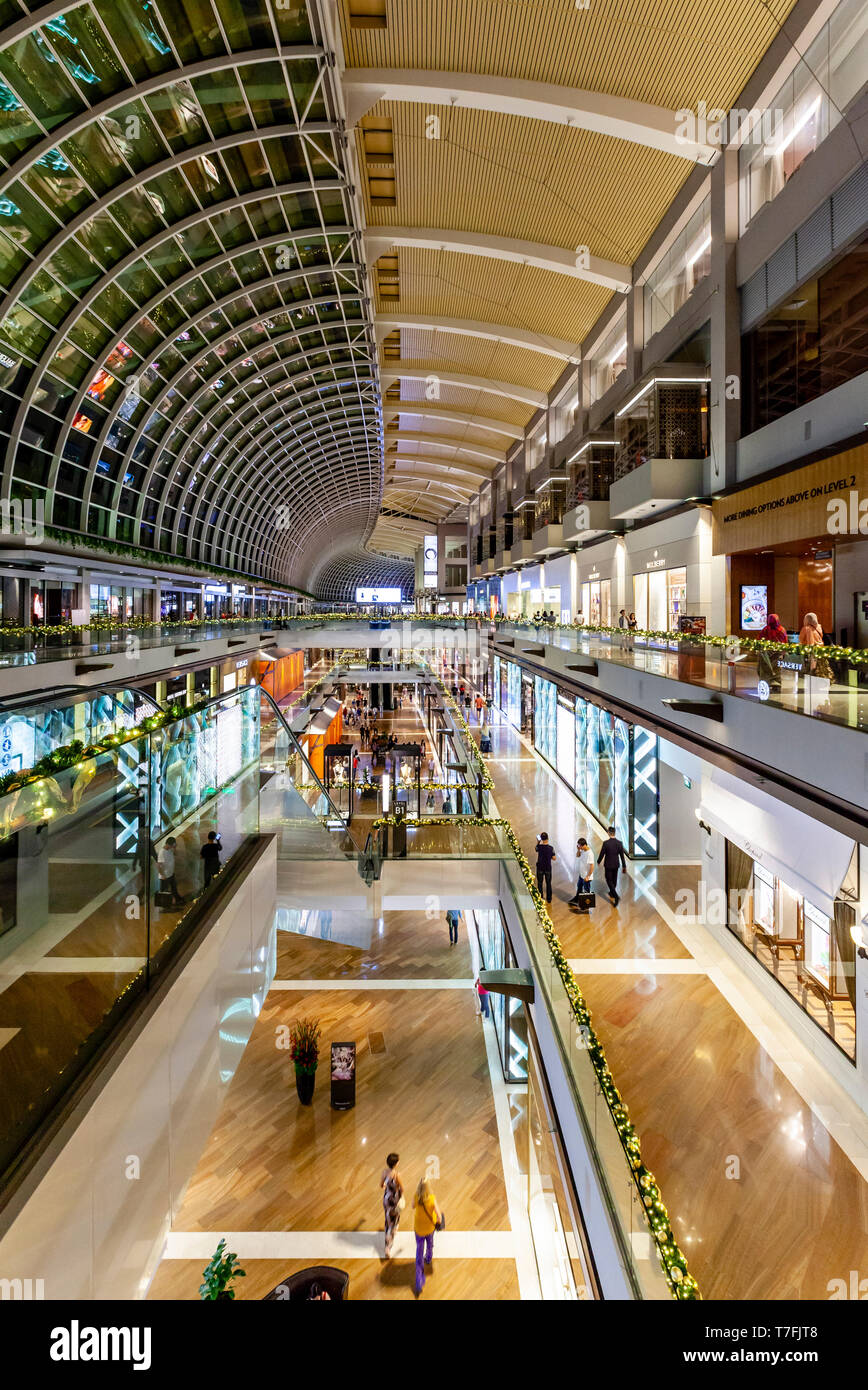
812	635
767	666
774	630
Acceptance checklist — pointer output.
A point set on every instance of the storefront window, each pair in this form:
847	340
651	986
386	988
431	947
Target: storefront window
810	955
814	342
566	719
659	599
545	718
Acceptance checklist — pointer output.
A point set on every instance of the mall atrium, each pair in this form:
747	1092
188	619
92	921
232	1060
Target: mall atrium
433	636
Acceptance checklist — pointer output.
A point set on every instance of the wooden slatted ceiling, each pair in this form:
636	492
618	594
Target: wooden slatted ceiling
447	284
470	401
532	180
669	52
422	347
449	429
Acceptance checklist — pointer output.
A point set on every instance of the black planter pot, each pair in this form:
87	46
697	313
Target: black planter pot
304	1084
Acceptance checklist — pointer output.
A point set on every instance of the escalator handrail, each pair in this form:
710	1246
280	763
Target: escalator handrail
297	748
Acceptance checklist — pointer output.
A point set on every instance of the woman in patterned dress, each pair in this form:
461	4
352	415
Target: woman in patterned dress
393	1199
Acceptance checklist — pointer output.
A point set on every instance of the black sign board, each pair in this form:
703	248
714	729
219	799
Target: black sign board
343	1075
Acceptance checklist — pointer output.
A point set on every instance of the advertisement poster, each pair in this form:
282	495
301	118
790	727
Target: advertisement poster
343	1075
754	607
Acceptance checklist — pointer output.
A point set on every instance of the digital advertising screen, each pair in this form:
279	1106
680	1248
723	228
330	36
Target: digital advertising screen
754	607
378	595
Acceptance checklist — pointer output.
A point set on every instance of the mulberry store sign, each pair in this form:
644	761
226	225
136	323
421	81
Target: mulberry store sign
793	507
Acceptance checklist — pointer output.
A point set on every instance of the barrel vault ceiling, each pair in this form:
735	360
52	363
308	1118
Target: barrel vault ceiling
283	280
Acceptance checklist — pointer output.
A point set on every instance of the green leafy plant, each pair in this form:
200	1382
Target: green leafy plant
219	1273
304	1038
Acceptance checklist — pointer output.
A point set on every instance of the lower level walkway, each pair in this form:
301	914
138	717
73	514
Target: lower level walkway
290	1186
761	1157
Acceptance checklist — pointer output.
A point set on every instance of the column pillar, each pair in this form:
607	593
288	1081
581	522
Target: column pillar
726	384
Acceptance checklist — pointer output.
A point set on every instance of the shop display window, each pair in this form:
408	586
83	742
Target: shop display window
545	718
809	954
566	718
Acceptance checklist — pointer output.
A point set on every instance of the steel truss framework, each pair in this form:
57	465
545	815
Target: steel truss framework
187	355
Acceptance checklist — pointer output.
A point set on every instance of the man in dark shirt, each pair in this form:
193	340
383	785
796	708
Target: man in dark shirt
210	855
544	855
612	857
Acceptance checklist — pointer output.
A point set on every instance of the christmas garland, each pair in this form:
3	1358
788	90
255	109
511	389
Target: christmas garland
681	1282
69	755
856	656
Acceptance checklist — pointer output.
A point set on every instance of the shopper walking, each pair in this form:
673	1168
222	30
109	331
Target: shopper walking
612	858
393	1200
482	997
545	855
210	855
166	870
453	917
426	1220
585	866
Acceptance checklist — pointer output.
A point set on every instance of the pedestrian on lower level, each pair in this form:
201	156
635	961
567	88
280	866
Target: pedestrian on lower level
453	917
393	1200
166	871
482	996
210	855
585	866
426	1220
612	858
545	856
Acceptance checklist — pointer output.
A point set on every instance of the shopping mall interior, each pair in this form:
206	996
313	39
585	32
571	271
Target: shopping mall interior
433	640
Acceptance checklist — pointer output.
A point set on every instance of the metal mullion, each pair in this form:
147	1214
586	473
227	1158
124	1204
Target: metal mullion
147	87
169	291
217	406
167	30
217	460
126	262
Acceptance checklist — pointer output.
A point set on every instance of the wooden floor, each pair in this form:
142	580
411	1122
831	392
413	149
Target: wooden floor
369	1279
423	1090
701	1089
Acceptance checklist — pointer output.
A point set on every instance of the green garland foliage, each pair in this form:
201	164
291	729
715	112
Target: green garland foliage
71	754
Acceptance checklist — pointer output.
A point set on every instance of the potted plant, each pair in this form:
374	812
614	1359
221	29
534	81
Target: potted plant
304	1051
219	1273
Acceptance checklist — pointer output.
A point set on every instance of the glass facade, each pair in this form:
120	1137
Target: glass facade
805	109
90	844
815	341
545	725
513	693
679	270
811	955
508	1016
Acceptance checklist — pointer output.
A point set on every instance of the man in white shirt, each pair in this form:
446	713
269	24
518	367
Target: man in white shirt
166	870
585	857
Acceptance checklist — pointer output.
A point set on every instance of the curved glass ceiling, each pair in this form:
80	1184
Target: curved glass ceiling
187	360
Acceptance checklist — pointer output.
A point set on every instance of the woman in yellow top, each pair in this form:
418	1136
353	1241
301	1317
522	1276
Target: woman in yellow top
426	1220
